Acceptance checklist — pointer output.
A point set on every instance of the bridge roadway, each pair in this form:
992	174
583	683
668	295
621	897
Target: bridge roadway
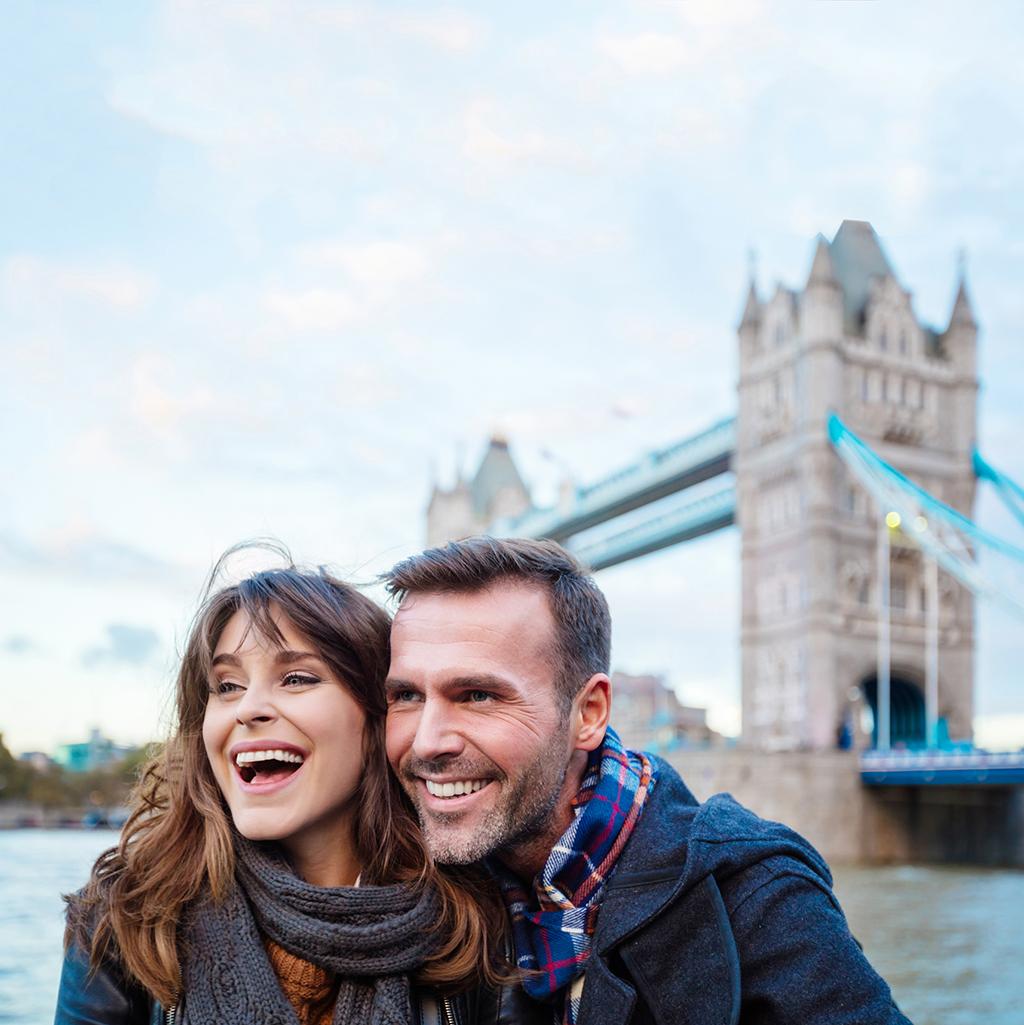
941	768
655	476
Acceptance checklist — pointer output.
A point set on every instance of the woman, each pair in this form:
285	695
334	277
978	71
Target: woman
270	870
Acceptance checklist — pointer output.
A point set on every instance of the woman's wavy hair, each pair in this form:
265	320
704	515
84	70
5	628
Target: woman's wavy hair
177	842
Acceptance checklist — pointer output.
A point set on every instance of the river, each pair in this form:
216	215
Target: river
946	939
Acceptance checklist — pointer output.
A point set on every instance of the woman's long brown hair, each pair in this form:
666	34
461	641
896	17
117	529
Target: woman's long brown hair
177	842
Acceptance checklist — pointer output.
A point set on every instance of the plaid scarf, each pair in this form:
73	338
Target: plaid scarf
553	923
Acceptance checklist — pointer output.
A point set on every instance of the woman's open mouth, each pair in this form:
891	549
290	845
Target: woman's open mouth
267	767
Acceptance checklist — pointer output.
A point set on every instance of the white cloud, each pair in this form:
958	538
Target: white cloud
495	136
648	53
312	309
453	31
31	281
371	264
158	403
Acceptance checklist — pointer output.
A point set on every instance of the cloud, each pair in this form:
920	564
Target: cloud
371	264
80	552
159	405
312	309
125	645
30	281
18	644
648	53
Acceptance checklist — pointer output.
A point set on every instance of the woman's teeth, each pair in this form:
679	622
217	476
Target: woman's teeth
270	755
468	786
270	764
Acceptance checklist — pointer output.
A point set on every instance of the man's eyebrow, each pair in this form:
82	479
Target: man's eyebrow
393	683
486	681
482	681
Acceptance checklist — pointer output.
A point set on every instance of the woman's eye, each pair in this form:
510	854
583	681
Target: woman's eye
224	687
300	680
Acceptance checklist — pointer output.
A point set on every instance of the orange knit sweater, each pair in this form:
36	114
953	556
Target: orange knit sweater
310	989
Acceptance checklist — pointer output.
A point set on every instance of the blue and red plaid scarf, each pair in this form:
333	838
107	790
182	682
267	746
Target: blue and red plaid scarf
553	923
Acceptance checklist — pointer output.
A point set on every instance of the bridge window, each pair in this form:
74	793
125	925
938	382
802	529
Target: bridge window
898	592
864	591
780	333
903	343
883	341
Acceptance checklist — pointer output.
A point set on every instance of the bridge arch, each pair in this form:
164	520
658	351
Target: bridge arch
907	727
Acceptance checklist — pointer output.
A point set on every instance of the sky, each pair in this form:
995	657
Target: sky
270	268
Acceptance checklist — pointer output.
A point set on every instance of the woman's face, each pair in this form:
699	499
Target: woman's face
284	738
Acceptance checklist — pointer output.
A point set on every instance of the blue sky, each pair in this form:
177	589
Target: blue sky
264	265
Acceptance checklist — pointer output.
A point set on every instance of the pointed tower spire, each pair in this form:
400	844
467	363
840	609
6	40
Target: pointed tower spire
823	271
963	312
752	309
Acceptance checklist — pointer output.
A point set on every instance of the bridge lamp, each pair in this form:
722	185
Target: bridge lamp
920	524
893	520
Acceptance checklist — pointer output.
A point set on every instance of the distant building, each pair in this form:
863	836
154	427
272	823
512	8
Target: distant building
38	760
496	491
95	753
647	715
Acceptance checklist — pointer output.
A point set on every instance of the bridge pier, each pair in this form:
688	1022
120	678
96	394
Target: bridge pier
820	794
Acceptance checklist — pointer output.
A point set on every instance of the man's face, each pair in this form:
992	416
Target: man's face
474	728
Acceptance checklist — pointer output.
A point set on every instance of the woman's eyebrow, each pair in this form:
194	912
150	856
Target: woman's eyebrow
288	655
225	659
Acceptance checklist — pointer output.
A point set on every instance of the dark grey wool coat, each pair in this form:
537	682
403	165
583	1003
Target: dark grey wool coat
714	916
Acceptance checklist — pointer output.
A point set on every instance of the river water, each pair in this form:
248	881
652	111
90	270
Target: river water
946	939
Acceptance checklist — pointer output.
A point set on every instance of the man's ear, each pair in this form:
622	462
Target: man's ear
591	710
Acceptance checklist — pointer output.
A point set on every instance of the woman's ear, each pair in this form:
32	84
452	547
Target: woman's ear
592	708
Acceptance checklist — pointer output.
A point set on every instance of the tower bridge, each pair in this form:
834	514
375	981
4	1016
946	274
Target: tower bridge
848	628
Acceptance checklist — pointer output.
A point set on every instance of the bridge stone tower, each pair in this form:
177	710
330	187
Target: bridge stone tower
849	342
495	491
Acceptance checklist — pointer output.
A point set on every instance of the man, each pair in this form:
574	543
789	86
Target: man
629	900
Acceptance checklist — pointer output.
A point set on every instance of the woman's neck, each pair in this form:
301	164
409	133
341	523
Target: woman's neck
323	858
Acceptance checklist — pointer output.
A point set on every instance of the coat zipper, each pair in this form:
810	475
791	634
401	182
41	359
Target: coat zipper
172	1013
447	1014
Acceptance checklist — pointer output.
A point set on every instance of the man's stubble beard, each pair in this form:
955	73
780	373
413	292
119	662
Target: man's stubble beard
524	811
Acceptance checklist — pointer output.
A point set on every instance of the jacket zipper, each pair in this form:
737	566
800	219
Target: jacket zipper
447	1014
172	1013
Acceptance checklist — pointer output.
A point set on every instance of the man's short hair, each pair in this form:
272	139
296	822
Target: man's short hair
583	626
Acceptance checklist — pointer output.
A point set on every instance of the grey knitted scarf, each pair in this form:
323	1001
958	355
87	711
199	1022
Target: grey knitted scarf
372	937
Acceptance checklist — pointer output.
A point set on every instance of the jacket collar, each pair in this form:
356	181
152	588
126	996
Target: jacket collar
651	871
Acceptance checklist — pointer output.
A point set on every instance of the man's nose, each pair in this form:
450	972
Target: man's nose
255	706
437	735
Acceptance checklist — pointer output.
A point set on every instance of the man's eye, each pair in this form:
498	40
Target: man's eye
399	697
478	696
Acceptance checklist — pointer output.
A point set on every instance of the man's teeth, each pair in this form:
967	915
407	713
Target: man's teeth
467	786
271	755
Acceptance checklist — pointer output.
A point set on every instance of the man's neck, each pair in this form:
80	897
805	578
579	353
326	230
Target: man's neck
526	859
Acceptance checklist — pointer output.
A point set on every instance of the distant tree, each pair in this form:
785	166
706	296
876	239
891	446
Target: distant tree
14	775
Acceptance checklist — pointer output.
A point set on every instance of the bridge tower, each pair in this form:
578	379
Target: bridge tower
495	491
848	342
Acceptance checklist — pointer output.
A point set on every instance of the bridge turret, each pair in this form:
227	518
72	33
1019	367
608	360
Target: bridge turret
750	323
960	339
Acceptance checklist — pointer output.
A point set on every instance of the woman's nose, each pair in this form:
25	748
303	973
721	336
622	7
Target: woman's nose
255	706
